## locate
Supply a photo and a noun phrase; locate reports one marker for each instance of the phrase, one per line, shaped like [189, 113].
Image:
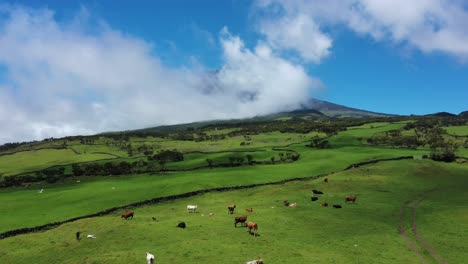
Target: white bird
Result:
[91, 236]
[41, 190]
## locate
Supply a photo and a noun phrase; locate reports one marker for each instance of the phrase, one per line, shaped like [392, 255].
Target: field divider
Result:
[27, 230]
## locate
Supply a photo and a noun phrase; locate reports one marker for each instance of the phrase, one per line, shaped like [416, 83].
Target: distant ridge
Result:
[340, 111]
[442, 114]
[463, 114]
[314, 109]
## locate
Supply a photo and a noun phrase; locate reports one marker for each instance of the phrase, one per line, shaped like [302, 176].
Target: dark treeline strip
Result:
[356, 165]
[157, 200]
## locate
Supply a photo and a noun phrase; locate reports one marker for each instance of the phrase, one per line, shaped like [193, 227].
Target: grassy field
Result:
[389, 194]
[365, 232]
[457, 130]
[26, 161]
[93, 194]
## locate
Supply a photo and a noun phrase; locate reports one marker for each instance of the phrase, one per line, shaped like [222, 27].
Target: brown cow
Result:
[240, 219]
[325, 204]
[127, 215]
[231, 208]
[250, 210]
[253, 227]
[350, 199]
[325, 180]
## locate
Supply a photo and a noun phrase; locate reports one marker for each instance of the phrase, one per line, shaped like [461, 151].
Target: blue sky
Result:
[65, 67]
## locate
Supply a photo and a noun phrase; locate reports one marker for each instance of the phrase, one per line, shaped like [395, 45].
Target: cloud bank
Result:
[78, 77]
[426, 25]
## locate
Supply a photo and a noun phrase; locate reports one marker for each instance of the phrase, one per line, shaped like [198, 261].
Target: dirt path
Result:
[414, 204]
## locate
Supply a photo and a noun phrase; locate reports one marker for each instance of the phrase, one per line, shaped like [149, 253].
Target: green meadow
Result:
[27, 161]
[358, 233]
[424, 198]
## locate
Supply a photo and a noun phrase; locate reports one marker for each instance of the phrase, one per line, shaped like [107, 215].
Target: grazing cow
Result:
[211, 214]
[250, 210]
[336, 206]
[127, 215]
[325, 180]
[286, 203]
[240, 219]
[257, 261]
[91, 236]
[317, 192]
[325, 204]
[78, 235]
[231, 208]
[181, 225]
[253, 227]
[314, 198]
[351, 198]
[155, 219]
[149, 258]
[293, 205]
[192, 208]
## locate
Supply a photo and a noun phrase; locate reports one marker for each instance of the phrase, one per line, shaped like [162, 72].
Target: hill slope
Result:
[314, 109]
[336, 110]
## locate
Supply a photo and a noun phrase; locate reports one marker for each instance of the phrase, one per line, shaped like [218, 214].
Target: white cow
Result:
[91, 236]
[192, 208]
[258, 261]
[149, 258]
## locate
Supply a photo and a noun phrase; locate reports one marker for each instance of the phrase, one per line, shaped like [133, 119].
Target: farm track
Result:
[157, 200]
[414, 204]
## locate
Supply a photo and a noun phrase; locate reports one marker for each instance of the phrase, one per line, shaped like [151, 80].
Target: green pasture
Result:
[457, 130]
[92, 194]
[271, 139]
[358, 136]
[364, 232]
[26, 161]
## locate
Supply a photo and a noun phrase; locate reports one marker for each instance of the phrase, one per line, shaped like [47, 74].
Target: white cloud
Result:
[427, 25]
[300, 33]
[82, 78]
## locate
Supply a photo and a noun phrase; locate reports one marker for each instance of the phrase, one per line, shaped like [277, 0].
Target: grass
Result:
[40, 159]
[457, 130]
[365, 232]
[93, 194]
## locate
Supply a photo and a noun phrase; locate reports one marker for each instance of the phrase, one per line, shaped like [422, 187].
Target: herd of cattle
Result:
[251, 226]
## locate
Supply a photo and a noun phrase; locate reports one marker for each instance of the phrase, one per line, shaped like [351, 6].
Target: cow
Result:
[336, 206]
[317, 192]
[91, 236]
[181, 225]
[250, 210]
[286, 203]
[155, 219]
[325, 204]
[127, 215]
[257, 261]
[351, 198]
[149, 258]
[192, 208]
[253, 227]
[325, 180]
[78, 235]
[314, 198]
[231, 208]
[240, 219]
[293, 205]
